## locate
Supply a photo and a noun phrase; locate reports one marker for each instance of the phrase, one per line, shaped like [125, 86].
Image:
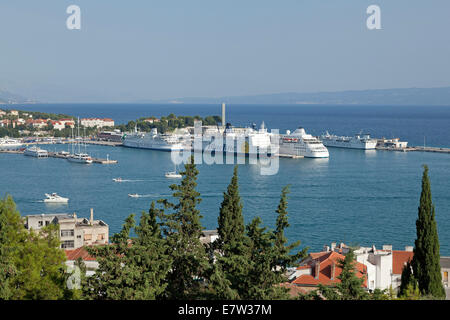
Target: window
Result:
[67, 233]
[40, 223]
[67, 244]
[446, 276]
[47, 223]
[100, 237]
[88, 237]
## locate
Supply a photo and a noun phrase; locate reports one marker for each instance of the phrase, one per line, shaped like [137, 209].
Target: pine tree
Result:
[284, 259]
[183, 229]
[131, 268]
[32, 264]
[425, 263]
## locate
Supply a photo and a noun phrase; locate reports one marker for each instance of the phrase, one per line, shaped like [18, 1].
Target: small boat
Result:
[80, 158]
[117, 179]
[173, 174]
[55, 198]
[133, 195]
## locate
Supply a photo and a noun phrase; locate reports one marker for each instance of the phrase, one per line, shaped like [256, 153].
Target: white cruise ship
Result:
[299, 143]
[244, 141]
[153, 141]
[36, 152]
[9, 144]
[359, 141]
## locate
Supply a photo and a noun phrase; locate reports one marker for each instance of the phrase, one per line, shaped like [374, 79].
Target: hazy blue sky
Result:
[131, 50]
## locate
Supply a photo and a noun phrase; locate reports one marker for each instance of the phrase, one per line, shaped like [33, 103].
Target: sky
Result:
[160, 49]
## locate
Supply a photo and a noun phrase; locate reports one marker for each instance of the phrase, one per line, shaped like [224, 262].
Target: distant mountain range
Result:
[7, 97]
[408, 96]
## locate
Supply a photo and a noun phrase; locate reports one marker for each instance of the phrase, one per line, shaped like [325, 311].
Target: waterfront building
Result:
[392, 143]
[97, 122]
[74, 232]
[2, 113]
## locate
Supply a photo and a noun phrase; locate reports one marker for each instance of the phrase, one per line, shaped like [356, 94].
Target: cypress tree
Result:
[407, 280]
[231, 262]
[426, 260]
[231, 221]
[183, 229]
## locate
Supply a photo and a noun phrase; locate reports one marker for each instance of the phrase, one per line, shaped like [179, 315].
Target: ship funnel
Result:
[223, 114]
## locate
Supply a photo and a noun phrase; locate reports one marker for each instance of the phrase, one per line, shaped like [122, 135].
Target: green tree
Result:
[231, 260]
[350, 286]
[182, 228]
[283, 257]
[32, 262]
[425, 263]
[131, 268]
[407, 280]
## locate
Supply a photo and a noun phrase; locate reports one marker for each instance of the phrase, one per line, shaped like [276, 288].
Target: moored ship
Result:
[36, 152]
[299, 143]
[9, 144]
[359, 141]
[153, 140]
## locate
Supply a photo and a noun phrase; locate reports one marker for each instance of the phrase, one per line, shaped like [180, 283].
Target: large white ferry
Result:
[153, 140]
[245, 141]
[299, 143]
[10, 144]
[359, 141]
[36, 152]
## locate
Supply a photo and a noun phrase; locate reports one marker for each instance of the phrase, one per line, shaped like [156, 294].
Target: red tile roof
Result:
[326, 260]
[399, 260]
[78, 253]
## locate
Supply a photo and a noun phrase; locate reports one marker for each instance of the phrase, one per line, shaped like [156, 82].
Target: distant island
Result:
[399, 96]
[411, 96]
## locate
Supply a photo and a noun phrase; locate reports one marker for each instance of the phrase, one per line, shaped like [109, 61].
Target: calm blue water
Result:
[365, 197]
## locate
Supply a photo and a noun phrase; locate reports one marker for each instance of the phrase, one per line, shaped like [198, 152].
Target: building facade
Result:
[74, 232]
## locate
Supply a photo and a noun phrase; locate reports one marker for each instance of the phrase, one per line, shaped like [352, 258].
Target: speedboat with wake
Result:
[55, 198]
[133, 195]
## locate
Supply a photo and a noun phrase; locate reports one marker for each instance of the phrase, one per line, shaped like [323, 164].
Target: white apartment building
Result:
[97, 122]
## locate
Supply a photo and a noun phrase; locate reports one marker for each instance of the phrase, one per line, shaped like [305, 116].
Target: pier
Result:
[417, 148]
[61, 156]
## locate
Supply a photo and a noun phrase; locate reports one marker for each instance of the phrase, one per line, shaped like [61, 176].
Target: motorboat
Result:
[36, 152]
[117, 179]
[173, 174]
[133, 195]
[55, 198]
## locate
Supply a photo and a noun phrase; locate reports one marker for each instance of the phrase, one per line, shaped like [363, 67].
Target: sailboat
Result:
[79, 157]
[173, 174]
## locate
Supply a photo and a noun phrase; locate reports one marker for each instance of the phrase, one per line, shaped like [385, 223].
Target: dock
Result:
[417, 148]
[61, 156]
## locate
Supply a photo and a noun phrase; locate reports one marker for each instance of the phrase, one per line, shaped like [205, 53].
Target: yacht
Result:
[299, 143]
[359, 141]
[133, 195]
[36, 152]
[153, 140]
[10, 144]
[173, 174]
[55, 198]
[80, 158]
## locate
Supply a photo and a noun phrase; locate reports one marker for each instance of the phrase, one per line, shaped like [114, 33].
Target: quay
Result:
[61, 156]
[417, 148]
[281, 155]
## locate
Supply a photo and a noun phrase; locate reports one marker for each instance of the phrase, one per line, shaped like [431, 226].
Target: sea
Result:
[356, 197]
